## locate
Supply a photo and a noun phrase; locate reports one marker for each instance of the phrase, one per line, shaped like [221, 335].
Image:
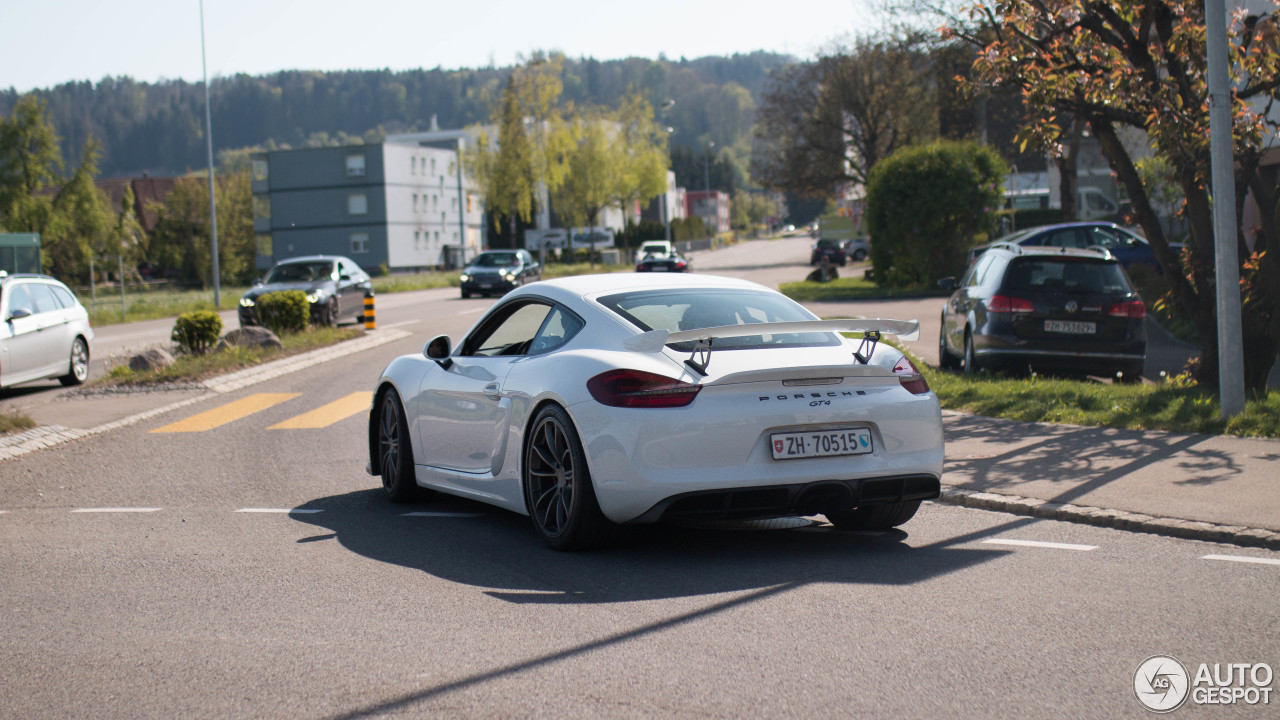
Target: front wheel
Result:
[946, 360]
[874, 517]
[970, 356]
[79, 366]
[557, 485]
[395, 451]
[330, 317]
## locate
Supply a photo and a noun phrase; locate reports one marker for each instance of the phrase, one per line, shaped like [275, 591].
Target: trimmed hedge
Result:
[284, 312]
[197, 332]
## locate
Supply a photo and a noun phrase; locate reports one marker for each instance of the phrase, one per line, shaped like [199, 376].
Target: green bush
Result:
[927, 205]
[284, 312]
[197, 332]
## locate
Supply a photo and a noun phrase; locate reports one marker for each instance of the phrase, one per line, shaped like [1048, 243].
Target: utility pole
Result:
[213, 205]
[1222, 166]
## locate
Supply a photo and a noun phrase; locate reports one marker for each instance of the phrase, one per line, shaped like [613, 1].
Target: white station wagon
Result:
[44, 331]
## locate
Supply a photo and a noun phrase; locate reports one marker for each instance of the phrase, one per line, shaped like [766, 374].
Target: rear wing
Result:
[655, 340]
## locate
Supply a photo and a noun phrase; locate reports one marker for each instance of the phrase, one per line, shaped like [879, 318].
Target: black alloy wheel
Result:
[331, 312]
[970, 359]
[395, 452]
[79, 365]
[557, 485]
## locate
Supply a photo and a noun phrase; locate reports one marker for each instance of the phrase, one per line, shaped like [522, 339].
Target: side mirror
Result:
[19, 313]
[947, 283]
[438, 349]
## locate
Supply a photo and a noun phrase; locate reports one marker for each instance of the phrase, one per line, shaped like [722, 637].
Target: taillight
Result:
[910, 377]
[1133, 309]
[639, 267]
[680, 266]
[639, 389]
[1006, 304]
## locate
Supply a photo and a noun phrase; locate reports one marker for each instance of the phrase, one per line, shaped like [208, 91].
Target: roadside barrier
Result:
[370, 323]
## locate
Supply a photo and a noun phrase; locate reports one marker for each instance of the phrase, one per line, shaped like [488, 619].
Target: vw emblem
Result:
[1071, 306]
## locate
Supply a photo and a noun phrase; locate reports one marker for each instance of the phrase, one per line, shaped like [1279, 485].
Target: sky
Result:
[44, 43]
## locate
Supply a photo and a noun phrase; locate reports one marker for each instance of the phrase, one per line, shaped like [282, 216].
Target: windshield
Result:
[300, 272]
[694, 309]
[1071, 276]
[496, 260]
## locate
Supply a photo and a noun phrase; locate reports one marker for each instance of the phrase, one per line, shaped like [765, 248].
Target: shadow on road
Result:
[499, 551]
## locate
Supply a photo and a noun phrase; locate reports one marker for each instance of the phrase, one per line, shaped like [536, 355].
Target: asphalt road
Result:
[251, 571]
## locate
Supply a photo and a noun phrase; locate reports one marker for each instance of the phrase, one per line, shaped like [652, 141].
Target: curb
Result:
[51, 435]
[1117, 519]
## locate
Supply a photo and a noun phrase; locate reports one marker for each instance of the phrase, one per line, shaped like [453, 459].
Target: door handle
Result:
[493, 391]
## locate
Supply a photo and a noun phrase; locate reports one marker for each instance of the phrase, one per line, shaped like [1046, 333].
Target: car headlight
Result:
[314, 296]
[246, 301]
[511, 277]
[464, 277]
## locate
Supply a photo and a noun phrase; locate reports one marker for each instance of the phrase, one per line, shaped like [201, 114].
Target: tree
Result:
[181, 237]
[1142, 65]
[612, 158]
[927, 205]
[827, 123]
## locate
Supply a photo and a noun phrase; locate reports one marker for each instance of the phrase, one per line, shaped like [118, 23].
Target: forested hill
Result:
[159, 127]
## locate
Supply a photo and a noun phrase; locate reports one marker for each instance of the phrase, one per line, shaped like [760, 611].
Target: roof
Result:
[1093, 253]
[590, 285]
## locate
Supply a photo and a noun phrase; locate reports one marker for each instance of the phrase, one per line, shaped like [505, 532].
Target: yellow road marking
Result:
[230, 412]
[326, 415]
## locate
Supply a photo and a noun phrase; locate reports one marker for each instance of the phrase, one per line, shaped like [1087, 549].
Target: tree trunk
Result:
[1069, 172]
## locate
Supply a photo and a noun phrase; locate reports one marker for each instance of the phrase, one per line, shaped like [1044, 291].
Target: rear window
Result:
[1065, 275]
[676, 310]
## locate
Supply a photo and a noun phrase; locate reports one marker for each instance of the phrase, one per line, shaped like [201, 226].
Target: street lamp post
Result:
[706, 181]
[213, 206]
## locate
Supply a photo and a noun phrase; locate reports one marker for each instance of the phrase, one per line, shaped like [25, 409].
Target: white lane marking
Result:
[1242, 559]
[1040, 544]
[442, 514]
[281, 511]
[3, 512]
[404, 322]
[116, 510]
[471, 312]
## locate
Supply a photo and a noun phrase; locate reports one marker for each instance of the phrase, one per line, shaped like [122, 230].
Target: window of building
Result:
[455, 238]
[261, 207]
[433, 166]
[260, 169]
[437, 237]
[413, 166]
[435, 202]
[415, 202]
[263, 243]
[355, 165]
[359, 243]
[358, 204]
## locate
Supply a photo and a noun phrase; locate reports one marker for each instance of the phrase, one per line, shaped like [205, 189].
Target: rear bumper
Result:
[813, 498]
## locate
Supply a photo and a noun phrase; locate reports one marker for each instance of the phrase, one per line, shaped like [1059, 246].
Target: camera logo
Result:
[1161, 683]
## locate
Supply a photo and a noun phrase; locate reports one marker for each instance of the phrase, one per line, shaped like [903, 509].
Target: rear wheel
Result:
[874, 517]
[465, 294]
[79, 365]
[395, 452]
[1130, 375]
[557, 485]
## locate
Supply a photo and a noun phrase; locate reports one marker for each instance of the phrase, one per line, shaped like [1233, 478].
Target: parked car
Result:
[1056, 308]
[499, 271]
[589, 401]
[670, 262]
[654, 247]
[832, 250]
[1127, 246]
[334, 285]
[45, 331]
[857, 249]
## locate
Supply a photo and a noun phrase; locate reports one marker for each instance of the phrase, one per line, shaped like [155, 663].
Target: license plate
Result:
[1074, 327]
[485, 286]
[821, 443]
[658, 268]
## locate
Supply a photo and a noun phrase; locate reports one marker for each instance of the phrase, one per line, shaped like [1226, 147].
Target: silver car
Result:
[44, 331]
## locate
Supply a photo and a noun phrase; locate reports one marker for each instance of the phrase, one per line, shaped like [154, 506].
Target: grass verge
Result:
[14, 422]
[153, 304]
[850, 289]
[1170, 406]
[194, 368]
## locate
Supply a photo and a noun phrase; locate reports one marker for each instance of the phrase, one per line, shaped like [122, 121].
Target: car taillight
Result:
[679, 266]
[910, 377]
[1006, 304]
[1133, 309]
[639, 266]
[639, 389]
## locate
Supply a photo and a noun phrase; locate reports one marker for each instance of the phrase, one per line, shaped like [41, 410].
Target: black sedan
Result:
[498, 272]
[335, 285]
[1053, 308]
[832, 250]
[670, 262]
